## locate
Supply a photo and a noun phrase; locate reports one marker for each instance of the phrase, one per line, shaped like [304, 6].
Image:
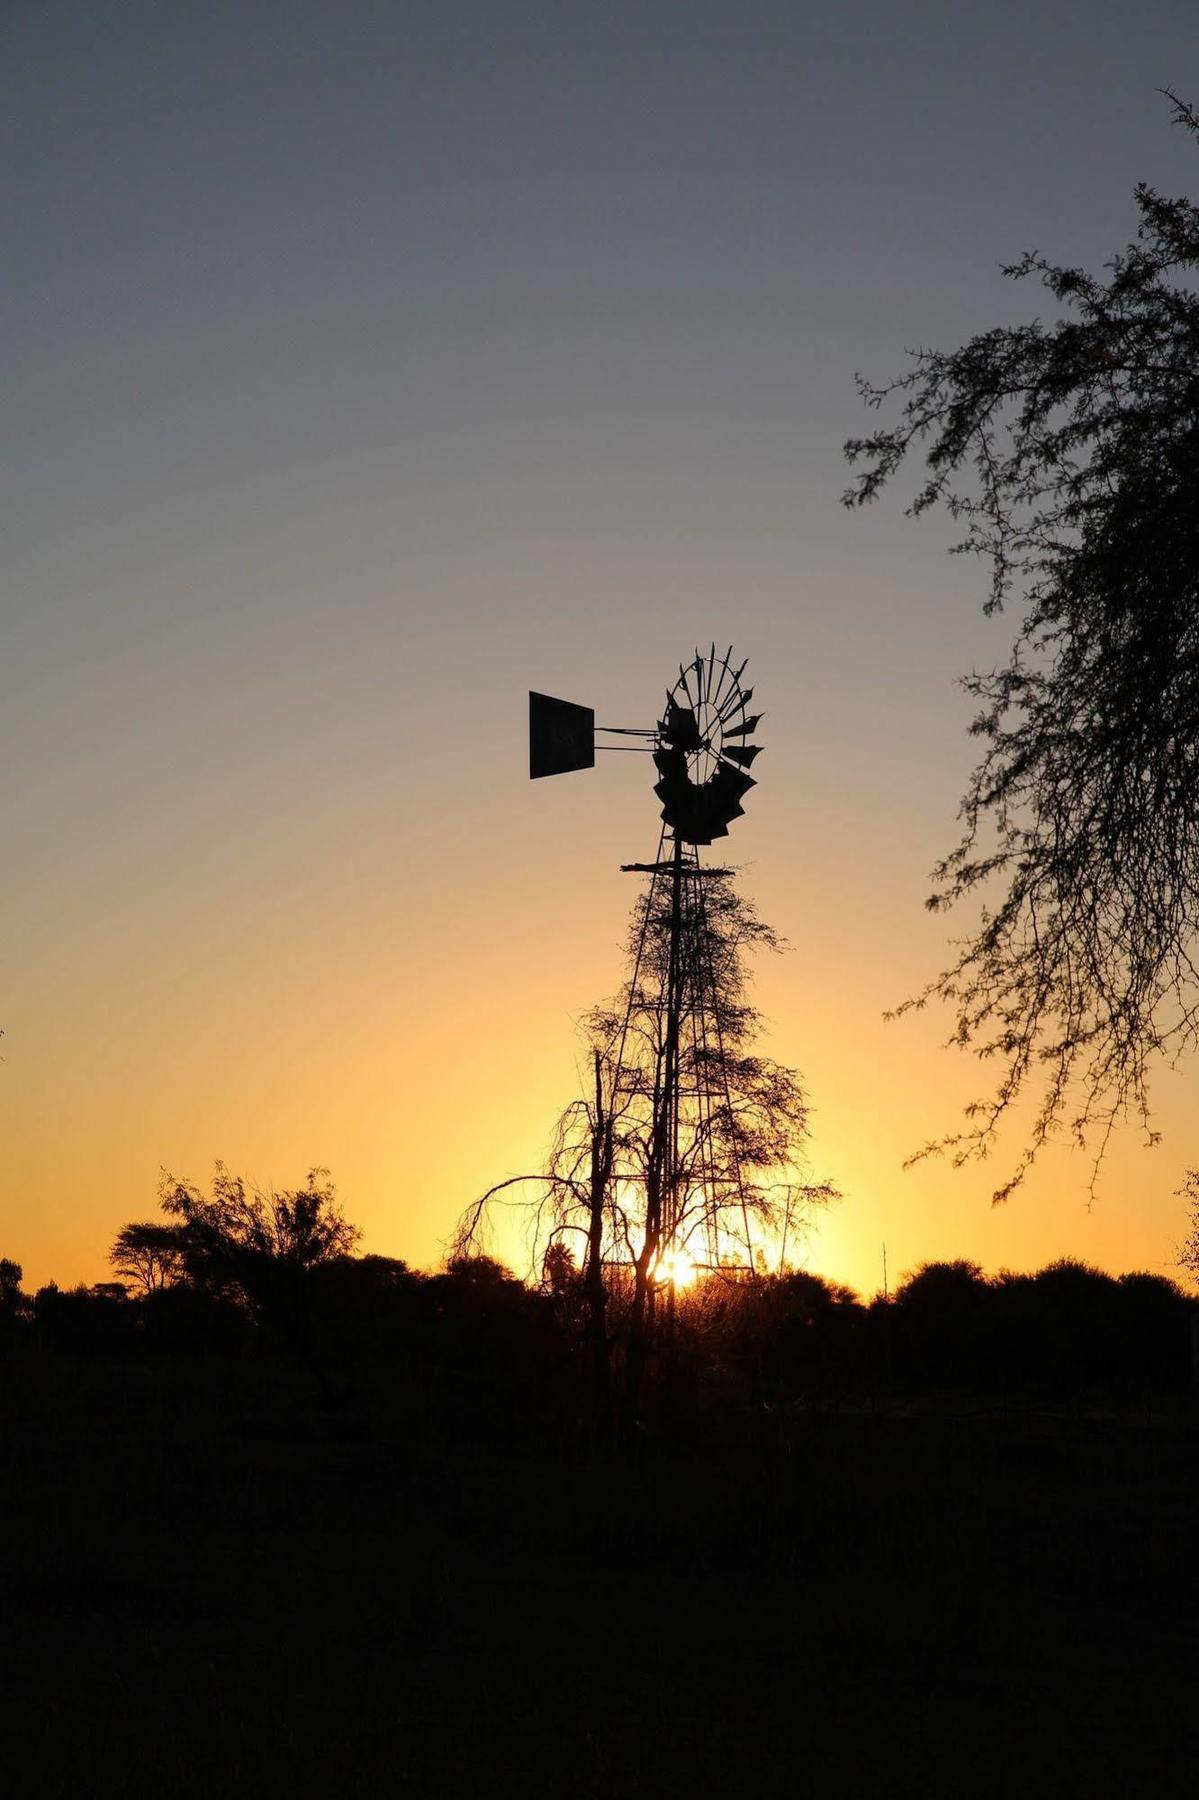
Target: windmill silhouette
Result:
[665, 1085]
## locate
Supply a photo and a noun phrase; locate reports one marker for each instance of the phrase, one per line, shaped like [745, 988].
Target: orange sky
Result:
[398, 1004]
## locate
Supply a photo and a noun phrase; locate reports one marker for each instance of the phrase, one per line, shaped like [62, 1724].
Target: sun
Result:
[674, 1268]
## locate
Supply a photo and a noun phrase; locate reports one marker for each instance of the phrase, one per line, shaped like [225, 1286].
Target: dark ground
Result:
[219, 1582]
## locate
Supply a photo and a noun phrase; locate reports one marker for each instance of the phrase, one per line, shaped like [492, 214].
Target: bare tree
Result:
[1070, 452]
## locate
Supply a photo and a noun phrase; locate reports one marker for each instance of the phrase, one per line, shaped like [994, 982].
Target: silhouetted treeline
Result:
[481, 1351]
[470, 1346]
[1066, 1332]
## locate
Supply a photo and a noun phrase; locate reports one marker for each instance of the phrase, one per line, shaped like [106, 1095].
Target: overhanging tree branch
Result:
[1070, 453]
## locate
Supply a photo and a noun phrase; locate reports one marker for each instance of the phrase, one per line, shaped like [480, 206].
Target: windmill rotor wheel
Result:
[703, 751]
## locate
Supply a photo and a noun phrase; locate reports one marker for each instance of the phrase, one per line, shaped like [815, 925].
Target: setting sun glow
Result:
[674, 1268]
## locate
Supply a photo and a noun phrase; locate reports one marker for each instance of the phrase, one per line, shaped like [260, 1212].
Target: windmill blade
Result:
[720, 694]
[744, 755]
[744, 727]
[730, 782]
[714, 817]
[738, 697]
[722, 796]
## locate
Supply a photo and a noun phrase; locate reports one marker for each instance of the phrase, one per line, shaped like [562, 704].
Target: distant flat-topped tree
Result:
[1070, 453]
[148, 1255]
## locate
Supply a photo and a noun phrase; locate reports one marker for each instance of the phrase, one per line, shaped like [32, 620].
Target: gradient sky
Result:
[368, 364]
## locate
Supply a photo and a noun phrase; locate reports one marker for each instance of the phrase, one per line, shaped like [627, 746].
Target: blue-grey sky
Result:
[366, 364]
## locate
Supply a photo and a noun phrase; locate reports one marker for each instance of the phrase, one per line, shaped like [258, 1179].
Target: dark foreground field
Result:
[239, 1582]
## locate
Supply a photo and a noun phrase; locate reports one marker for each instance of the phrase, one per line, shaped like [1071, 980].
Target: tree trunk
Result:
[661, 1174]
[594, 1285]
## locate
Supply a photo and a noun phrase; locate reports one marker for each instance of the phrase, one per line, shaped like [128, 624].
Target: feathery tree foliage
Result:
[1070, 453]
[740, 1157]
[1188, 1254]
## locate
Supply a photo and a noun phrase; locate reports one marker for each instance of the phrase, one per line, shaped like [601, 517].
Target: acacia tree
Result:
[1070, 453]
[631, 1186]
[238, 1242]
[236, 1226]
[148, 1255]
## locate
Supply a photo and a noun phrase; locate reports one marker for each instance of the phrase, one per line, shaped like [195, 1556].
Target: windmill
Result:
[666, 1078]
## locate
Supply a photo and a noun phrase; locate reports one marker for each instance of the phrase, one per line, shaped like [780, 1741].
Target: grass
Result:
[230, 1582]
